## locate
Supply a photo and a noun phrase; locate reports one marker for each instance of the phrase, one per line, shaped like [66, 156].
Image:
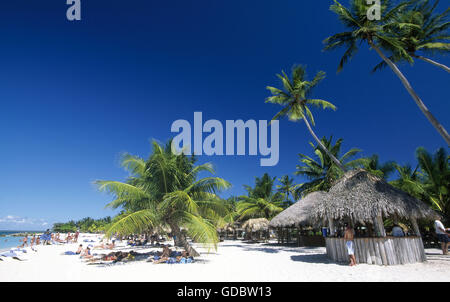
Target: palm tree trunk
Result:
[334, 159]
[445, 67]
[414, 95]
[182, 241]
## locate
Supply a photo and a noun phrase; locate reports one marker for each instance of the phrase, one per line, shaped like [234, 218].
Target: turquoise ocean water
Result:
[7, 241]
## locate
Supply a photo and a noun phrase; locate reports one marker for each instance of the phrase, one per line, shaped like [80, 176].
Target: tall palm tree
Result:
[164, 191]
[295, 98]
[427, 32]
[322, 171]
[376, 35]
[286, 188]
[263, 187]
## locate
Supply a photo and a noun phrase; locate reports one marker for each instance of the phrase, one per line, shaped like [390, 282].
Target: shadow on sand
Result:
[314, 258]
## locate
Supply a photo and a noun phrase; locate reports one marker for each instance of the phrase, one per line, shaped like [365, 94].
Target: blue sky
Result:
[74, 95]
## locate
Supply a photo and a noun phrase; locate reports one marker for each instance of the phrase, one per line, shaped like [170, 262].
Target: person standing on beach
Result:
[348, 237]
[25, 240]
[47, 237]
[75, 239]
[442, 235]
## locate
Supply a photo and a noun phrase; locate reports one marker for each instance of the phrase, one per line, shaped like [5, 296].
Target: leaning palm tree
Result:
[427, 32]
[321, 171]
[376, 35]
[295, 98]
[164, 192]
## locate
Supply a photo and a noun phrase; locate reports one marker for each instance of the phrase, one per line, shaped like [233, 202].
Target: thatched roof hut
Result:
[299, 214]
[361, 196]
[229, 227]
[254, 225]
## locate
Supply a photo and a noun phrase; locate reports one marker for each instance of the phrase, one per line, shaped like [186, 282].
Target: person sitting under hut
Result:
[397, 231]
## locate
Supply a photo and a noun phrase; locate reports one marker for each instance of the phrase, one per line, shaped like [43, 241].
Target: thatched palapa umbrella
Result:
[255, 225]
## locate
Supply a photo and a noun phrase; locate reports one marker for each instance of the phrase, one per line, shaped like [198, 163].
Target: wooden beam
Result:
[415, 226]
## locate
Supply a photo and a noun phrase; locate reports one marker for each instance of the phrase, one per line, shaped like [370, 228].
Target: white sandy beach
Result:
[233, 261]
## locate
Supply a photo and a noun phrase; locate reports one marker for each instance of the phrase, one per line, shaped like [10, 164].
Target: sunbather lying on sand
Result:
[167, 256]
[105, 246]
[115, 256]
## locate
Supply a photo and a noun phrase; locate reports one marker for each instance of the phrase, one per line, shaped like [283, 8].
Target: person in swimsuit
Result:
[80, 249]
[87, 253]
[164, 256]
[348, 237]
[25, 241]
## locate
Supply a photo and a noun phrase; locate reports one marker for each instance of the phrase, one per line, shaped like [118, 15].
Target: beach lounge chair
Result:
[10, 254]
[19, 250]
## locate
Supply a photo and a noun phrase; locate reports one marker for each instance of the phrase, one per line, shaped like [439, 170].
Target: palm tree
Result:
[164, 191]
[322, 171]
[252, 207]
[286, 188]
[436, 180]
[409, 181]
[294, 97]
[372, 165]
[231, 207]
[261, 201]
[376, 35]
[426, 32]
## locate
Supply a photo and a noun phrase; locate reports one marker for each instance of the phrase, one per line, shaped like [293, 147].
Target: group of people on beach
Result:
[171, 257]
[164, 256]
[48, 238]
